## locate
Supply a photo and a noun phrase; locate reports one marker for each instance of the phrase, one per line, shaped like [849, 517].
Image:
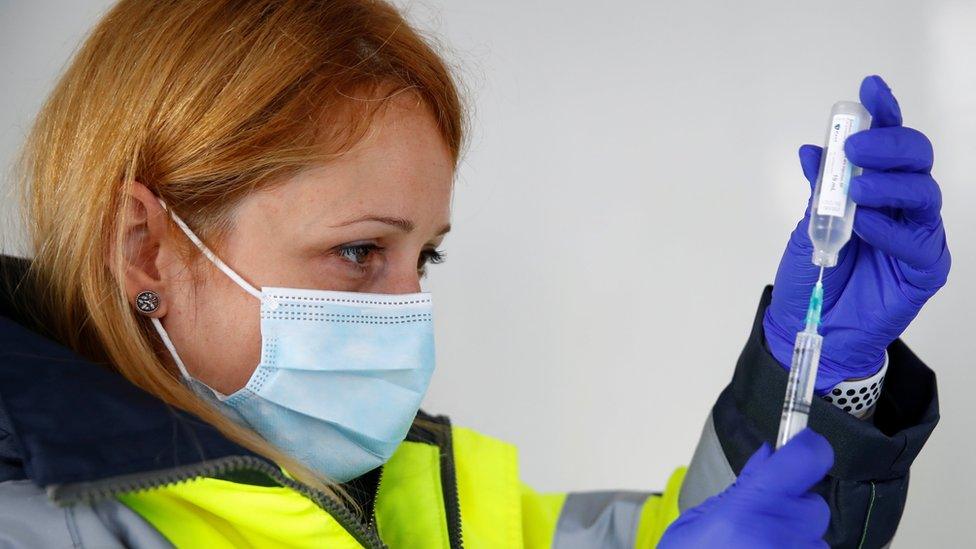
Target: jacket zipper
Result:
[452, 503]
[87, 492]
[376, 496]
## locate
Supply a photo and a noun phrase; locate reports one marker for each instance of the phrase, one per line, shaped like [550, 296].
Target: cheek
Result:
[218, 333]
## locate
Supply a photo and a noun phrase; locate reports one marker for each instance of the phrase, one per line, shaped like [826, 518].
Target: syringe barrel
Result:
[799, 386]
[832, 210]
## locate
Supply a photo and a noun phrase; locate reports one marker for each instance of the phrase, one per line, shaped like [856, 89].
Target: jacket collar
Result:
[65, 419]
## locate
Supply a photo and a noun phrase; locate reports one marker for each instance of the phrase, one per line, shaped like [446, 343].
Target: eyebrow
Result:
[404, 225]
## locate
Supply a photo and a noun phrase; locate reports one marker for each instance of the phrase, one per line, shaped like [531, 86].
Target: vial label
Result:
[837, 169]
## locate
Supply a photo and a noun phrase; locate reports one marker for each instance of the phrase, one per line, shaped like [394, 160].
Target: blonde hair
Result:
[203, 101]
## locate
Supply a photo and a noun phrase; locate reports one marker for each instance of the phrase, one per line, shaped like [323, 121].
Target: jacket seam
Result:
[867, 517]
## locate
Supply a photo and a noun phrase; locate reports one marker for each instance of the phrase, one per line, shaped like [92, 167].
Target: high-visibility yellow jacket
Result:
[444, 487]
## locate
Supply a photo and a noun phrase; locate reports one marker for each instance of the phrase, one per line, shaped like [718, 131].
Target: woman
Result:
[221, 338]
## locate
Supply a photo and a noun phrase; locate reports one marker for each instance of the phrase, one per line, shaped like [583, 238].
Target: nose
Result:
[400, 278]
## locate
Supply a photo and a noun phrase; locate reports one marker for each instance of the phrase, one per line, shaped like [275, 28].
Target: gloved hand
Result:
[895, 260]
[768, 505]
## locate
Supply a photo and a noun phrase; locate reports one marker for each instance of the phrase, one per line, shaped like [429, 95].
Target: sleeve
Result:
[617, 519]
[868, 484]
[28, 518]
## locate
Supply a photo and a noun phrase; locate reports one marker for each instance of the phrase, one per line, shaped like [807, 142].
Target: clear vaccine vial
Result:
[832, 211]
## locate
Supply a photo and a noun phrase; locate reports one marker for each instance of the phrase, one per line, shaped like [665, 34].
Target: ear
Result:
[144, 232]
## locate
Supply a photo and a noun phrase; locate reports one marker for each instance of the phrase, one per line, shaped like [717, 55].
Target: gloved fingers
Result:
[807, 543]
[816, 513]
[810, 162]
[916, 194]
[877, 98]
[756, 459]
[921, 247]
[801, 518]
[896, 148]
[794, 468]
[806, 516]
[797, 268]
[797, 274]
[780, 537]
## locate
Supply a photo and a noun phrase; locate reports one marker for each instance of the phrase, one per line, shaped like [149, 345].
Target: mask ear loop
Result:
[226, 270]
[179, 362]
[212, 256]
[170, 347]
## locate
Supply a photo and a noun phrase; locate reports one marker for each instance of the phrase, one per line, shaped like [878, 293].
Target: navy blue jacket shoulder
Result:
[64, 419]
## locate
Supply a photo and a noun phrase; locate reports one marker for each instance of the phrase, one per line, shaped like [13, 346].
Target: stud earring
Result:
[147, 302]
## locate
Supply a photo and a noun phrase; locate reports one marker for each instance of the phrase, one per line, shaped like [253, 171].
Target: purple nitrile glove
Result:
[895, 261]
[769, 505]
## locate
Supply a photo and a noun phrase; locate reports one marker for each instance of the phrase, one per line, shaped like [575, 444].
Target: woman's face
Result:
[367, 222]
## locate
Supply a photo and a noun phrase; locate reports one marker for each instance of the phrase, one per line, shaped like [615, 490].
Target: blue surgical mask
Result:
[341, 377]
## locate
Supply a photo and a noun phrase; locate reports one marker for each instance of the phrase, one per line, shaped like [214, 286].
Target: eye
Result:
[358, 254]
[429, 256]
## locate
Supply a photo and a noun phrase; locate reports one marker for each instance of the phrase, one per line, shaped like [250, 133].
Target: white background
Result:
[631, 181]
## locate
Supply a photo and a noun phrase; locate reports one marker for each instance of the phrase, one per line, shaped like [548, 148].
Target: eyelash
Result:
[432, 256]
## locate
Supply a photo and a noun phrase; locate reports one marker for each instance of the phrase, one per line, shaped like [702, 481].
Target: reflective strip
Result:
[599, 519]
[709, 472]
[28, 519]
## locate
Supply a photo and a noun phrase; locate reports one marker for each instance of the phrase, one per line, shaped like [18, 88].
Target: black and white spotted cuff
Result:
[858, 396]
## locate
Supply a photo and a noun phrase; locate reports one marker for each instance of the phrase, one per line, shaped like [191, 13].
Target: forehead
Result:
[402, 167]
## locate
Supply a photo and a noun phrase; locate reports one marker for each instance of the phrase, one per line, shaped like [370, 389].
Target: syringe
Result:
[803, 370]
[831, 221]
